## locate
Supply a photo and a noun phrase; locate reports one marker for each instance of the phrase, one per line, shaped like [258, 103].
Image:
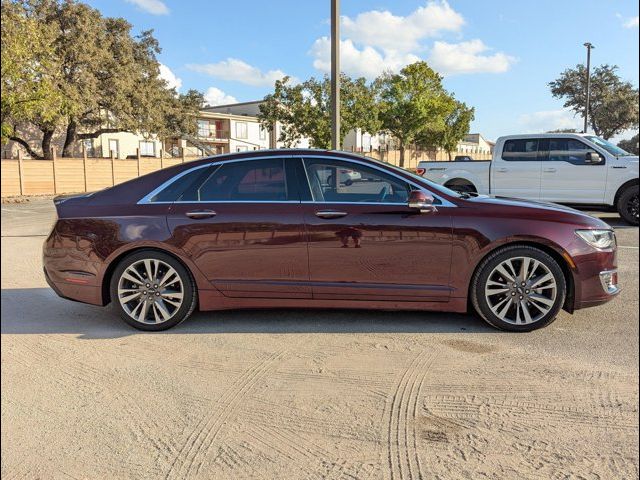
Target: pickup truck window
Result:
[525, 150]
[568, 150]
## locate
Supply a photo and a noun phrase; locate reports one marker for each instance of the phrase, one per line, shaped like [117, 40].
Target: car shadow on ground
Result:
[40, 311]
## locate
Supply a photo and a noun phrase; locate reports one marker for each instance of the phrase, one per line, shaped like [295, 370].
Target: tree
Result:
[630, 145]
[614, 103]
[304, 109]
[106, 80]
[456, 126]
[413, 104]
[563, 130]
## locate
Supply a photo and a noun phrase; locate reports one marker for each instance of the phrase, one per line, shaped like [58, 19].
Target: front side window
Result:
[568, 150]
[251, 180]
[345, 182]
[241, 130]
[522, 150]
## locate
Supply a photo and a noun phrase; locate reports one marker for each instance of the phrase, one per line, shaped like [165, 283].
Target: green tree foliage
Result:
[304, 109]
[97, 77]
[456, 125]
[614, 104]
[630, 145]
[414, 106]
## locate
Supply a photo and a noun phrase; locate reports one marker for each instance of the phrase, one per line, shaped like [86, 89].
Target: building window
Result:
[89, 149]
[114, 148]
[203, 128]
[241, 130]
[263, 134]
[147, 149]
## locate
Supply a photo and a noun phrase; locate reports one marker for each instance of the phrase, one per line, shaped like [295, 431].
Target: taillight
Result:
[420, 171]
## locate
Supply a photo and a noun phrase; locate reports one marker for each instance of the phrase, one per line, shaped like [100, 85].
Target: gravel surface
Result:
[309, 394]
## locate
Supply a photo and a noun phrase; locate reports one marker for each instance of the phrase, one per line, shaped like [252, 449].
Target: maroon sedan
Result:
[312, 228]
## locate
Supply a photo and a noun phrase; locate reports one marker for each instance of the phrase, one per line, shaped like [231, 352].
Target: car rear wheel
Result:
[628, 206]
[152, 291]
[518, 288]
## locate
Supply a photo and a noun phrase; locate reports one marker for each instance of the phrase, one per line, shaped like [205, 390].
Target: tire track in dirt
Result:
[191, 455]
[402, 440]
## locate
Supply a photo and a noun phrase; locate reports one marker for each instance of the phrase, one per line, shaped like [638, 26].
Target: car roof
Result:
[278, 152]
[543, 135]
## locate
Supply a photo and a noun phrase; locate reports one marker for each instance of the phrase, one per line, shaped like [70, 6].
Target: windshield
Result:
[608, 146]
[435, 186]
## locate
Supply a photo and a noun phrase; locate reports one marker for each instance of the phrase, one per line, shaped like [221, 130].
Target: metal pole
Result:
[588, 100]
[335, 74]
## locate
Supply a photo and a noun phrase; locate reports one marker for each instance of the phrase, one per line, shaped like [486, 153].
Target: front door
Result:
[567, 177]
[242, 225]
[364, 241]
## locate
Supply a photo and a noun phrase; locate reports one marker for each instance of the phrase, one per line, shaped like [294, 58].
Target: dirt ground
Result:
[309, 394]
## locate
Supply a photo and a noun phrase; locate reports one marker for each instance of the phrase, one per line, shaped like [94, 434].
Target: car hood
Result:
[544, 210]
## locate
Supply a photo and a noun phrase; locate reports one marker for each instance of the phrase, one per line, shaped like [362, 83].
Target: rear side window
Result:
[524, 150]
[568, 150]
[172, 192]
[249, 180]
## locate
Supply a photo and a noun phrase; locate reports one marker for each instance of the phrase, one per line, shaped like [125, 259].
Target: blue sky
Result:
[496, 55]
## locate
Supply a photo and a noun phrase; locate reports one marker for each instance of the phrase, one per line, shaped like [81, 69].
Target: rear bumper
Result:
[78, 293]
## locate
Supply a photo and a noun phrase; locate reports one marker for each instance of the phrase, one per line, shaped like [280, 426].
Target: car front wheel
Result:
[152, 291]
[518, 288]
[628, 206]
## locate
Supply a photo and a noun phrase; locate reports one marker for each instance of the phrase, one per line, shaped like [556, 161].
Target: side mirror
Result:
[422, 201]
[592, 158]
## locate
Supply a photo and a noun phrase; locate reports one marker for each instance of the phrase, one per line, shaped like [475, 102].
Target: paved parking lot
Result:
[310, 394]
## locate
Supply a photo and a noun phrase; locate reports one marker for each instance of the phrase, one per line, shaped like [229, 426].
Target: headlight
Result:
[600, 239]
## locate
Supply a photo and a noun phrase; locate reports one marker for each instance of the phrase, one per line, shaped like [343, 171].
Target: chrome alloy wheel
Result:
[521, 290]
[150, 291]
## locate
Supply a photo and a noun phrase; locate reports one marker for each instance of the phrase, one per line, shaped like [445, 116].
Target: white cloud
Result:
[168, 76]
[214, 96]
[154, 7]
[467, 57]
[631, 22]
[376, 41]
[395, 33]
[233, 69]
[359, 62]
[546, 120]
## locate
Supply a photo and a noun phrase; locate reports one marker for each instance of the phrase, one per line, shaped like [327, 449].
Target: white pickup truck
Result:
[576, 169]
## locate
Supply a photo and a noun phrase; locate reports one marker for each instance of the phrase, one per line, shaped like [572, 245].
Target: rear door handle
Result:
[502, 170]
[330, 214]
[199, 214]
[550, 170]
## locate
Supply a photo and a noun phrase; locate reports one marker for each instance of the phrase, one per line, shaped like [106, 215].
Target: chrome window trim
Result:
[444, 203]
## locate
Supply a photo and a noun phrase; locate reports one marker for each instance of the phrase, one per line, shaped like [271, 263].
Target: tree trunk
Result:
[70, 139]
[401, 146]
[449, 154]
[47, 136]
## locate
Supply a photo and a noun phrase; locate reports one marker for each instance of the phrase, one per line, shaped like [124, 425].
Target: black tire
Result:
[462, 188]
[628, 205]
[187, 288]
[486, 268]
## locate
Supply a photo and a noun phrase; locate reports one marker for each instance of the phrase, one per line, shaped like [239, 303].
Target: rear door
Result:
[566, 177]
[517, 172]
[243, 227]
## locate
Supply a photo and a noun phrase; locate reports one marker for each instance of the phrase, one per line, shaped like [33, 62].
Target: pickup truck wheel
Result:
[518, 288]
[628, 205]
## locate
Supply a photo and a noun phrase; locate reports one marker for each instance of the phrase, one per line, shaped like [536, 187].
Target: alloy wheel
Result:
[150, 291]
[521, 290]
[633, 207]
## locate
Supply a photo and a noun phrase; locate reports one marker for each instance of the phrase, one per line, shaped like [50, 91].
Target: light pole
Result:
[586, 107]
[335, 74]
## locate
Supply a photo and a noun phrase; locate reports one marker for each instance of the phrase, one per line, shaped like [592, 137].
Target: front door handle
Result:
[330, 214]
[502, 170]
[200, 214]
[550, 170]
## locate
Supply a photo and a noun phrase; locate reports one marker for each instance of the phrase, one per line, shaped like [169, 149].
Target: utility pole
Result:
[586, 107]
[335, 74]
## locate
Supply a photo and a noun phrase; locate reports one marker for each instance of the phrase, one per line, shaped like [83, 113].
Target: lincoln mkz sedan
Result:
[322, 229]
